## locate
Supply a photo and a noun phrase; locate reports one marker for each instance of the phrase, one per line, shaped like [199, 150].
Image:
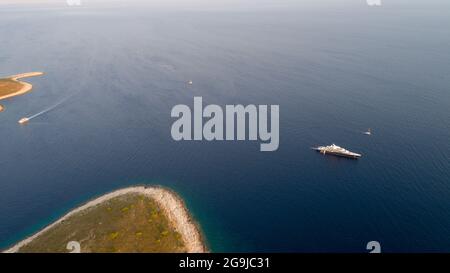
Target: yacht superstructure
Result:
[337, 151]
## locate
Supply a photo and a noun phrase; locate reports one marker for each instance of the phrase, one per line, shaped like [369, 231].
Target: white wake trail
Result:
[50, 108]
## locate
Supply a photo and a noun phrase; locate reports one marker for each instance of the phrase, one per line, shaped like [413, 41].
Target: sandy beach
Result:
[172, 205]
[26, 87]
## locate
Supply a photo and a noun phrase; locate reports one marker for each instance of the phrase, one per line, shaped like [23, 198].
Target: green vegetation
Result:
[128, 223]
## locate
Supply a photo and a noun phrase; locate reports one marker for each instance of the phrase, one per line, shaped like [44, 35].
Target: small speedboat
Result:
[23, 121]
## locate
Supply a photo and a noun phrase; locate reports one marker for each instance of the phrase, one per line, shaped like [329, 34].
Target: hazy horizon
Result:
[238, 3]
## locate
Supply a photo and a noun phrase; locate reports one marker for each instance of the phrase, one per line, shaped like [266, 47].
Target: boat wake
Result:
[27, 119]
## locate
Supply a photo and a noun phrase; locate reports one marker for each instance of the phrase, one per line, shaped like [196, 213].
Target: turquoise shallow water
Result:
[335, 71]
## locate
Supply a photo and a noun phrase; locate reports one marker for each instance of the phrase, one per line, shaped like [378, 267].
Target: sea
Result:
[335, 68]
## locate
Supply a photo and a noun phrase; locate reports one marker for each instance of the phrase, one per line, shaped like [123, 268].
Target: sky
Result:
[202, 2]
[244, 4]
[187, 3]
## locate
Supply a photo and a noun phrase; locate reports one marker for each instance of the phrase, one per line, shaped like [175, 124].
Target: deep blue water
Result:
[334, 70]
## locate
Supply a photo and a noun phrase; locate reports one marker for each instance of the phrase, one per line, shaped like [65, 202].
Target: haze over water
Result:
[335, 70]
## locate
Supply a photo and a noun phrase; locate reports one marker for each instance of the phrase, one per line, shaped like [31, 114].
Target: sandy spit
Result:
[26, 87]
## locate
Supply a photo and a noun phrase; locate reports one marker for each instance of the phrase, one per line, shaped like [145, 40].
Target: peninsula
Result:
[11, 86]
[134, 219]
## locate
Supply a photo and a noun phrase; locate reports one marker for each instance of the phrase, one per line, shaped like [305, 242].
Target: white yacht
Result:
[337, 151]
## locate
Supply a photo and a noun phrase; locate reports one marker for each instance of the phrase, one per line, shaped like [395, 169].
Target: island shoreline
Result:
[26, 87]
[171, 203]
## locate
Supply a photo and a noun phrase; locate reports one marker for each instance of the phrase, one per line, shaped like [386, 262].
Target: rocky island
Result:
[134, 219]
